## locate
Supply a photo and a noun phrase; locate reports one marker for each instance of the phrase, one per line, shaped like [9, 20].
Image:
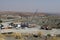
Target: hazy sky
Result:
[30, 5]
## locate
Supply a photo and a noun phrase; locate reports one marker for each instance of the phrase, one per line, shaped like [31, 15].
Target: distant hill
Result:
[25, 13]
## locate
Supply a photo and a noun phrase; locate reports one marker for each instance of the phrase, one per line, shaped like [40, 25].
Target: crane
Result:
[34, 15]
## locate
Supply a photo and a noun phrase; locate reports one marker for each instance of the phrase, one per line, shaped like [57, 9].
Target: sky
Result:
[52, 6]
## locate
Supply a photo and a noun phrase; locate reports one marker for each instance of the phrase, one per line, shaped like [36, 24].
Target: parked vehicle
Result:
[23, 25]
[46, 27]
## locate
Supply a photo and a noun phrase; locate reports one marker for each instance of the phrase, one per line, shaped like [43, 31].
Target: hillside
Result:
[28, 13]
[21, 13]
